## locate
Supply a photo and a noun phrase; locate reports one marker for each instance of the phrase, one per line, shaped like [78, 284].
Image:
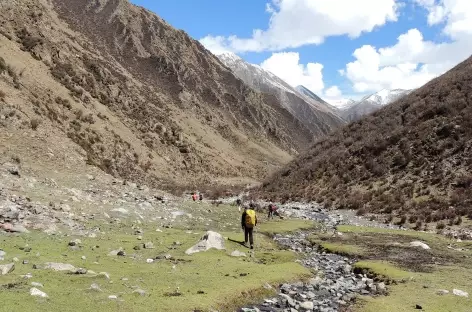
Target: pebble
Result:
[7, 268]
[112, 297]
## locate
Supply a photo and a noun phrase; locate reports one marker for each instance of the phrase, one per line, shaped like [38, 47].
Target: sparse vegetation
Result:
[34, 123]
[3, 65]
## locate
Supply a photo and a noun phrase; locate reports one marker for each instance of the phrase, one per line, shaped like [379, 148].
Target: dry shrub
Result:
[34, 123]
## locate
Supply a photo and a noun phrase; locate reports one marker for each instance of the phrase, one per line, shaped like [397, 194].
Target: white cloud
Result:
[413, 61]
[333, 92]
[457, 14]
[294, 23]
[286, 65]
[214, 44]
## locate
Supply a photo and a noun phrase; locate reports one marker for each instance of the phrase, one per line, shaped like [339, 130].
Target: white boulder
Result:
[419, 244]
[209, 240]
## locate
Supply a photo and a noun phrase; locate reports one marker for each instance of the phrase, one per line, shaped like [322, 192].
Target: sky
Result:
[339, 49]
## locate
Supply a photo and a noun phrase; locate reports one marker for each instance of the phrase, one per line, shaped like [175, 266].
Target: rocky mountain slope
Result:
[312, 112]
[371, 103]
[411, 159]
[109, 84]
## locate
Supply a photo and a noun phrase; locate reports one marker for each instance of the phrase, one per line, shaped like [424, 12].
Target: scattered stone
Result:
[104, 274]
[59, 266]
[95, 287]
[25, 261]
[149, 260]
[200, 292]
[419, 244]
[112, 297]
[18, 228]
[209, 240]
[121, 253]
[7, 268]
[35, 284]
[139, 292]
[12, 169]
[140, 237]
[2, 255]
[75, 242]
[83, 258]
[442, 292]
[115, 252]
[148, 245]
[381, 288]
[418, 307]
[80, 271]
[238, 253]
[460, 293]
[15, 259]
[38, 293]
[307, 305]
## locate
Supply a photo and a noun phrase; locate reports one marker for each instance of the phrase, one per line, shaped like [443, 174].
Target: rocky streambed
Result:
[334, 284]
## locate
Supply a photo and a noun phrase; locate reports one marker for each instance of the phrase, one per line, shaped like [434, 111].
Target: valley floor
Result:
[82, 225]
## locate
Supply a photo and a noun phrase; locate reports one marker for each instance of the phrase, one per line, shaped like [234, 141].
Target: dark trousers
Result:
[271, 214]
[248, 234]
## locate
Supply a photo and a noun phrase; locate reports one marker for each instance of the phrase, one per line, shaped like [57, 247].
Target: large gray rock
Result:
[209, 240]
[7, 268]
[59, 267]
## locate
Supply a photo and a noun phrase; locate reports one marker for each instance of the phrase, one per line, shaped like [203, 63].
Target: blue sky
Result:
[295, 33]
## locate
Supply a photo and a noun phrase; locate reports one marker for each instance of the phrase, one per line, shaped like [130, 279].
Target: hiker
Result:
[248, 222]
[272, 209]
[238, 203]
[194, 196]
[200, 197]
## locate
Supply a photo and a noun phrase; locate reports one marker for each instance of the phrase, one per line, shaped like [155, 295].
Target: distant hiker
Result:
[200, 197]
[194, 196]
[238, 203]
[272, 210]
[248, 222]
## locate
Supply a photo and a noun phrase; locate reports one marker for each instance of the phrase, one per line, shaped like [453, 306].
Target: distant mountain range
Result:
[353, 110]
[313, 112]
[316, 114]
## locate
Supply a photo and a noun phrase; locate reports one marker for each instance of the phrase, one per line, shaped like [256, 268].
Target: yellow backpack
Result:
[250, 218]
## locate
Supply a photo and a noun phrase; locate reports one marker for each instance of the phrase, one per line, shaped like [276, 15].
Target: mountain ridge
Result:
[144, 101]
[317, 116]
[411, 158]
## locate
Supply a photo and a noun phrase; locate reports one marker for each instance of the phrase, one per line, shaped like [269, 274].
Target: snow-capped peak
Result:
[230, 56]
[384, 96]
[342, 104]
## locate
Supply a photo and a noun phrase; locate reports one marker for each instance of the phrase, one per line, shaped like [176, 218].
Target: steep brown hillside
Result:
[140, 99]
[412, 158]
